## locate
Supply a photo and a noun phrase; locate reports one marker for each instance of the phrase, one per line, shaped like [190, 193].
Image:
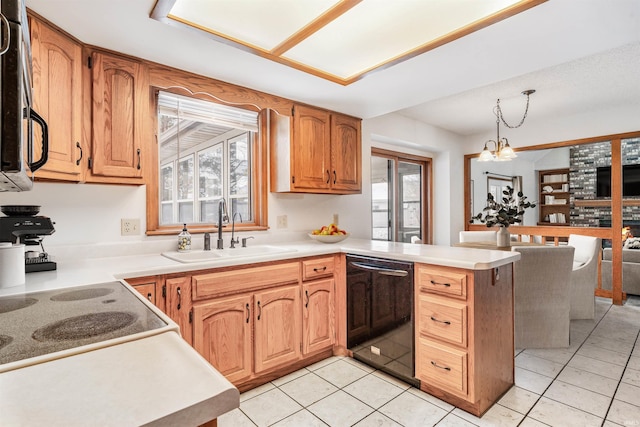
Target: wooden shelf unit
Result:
[558, 179]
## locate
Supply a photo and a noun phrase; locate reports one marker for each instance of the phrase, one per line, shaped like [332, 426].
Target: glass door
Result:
[399, 196]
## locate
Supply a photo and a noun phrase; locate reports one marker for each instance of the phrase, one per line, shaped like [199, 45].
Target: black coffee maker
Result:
[21, 225]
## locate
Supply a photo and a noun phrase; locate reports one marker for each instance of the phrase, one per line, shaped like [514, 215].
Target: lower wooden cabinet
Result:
[222, 335]
[252, 321]
[179, 304]
[318, 320]
[464, 334]
[277, 327]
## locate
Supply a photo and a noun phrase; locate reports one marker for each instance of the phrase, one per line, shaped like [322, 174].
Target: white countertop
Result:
[159, 379]
[79, 271]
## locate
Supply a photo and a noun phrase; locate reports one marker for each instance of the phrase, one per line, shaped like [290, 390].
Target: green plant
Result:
[505, 213]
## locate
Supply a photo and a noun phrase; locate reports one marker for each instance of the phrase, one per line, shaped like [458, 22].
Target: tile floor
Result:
[595, 382]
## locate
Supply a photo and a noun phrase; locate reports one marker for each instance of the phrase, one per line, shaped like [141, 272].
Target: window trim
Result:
[258, 173]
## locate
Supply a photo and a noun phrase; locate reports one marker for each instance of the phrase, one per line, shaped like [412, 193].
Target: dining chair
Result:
[584, 277]
[541, 296]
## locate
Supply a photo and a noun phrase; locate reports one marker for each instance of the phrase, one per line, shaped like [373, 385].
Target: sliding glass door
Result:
[399, 196]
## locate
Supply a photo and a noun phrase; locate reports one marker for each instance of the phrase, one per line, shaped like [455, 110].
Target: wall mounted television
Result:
[630, 181]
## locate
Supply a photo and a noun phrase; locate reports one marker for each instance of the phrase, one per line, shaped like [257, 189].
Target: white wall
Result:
[86, 214]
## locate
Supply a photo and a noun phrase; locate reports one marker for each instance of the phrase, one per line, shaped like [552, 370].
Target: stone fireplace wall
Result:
[583, 161]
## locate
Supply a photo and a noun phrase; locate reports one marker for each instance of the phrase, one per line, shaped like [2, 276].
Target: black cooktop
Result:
[46, 322]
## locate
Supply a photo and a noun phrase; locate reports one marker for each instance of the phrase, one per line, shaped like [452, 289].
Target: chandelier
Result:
[501, 150]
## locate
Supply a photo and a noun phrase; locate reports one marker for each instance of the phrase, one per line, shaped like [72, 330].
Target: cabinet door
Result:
[222, 335]
[57, 97]
[311, 151]
[119, 106]
[179, 304]
[345, 153]
[148, 290]
[277, 327]
[318, 319]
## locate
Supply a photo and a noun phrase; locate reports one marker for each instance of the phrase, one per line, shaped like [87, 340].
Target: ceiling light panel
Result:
[258, 23]
[375, 31]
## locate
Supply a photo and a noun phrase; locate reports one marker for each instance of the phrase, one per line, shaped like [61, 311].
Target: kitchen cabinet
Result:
[222, 335]
[318, 294]
[247, 321]
[179, 304]
[464, 334]
[119, 105]
[245, 335]
[152, 288]
[315, 151]
[57, 97]
[277, 327]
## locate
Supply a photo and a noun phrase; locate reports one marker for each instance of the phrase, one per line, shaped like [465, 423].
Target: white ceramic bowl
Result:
[331, 238]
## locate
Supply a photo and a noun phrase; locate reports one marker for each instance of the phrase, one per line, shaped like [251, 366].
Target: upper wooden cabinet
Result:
[120, 103]
[315, 151]
[57, 97]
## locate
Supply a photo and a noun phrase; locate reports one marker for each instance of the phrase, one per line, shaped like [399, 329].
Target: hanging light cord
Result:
[526, 110]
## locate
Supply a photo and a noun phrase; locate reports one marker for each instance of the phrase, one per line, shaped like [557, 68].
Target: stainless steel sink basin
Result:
[216, 254]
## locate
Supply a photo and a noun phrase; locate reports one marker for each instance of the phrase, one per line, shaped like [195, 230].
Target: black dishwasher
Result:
[380, 326]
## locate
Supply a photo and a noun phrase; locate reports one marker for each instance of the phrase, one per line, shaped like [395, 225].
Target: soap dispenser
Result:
[184, 240]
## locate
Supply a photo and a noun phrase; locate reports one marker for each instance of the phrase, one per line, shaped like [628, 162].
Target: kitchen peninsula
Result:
[473, 286]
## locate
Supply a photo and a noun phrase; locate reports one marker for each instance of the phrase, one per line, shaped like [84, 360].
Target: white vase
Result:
[503, 237]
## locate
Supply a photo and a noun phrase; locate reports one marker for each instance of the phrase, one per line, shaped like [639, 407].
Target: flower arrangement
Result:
[507, 212]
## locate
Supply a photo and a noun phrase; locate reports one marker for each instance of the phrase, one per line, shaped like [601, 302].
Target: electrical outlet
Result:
[335, 219]
[129, 226]
[282, 221]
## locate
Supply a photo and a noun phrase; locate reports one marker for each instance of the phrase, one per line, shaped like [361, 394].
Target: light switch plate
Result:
[282, 221]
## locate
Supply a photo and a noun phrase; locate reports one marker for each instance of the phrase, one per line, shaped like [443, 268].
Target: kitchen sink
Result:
[216, 254]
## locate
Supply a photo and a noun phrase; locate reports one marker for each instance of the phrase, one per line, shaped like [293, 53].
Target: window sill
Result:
[205, 228]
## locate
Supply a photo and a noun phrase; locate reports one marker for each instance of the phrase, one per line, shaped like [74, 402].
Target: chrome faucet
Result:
[223, 218]
[233, 230]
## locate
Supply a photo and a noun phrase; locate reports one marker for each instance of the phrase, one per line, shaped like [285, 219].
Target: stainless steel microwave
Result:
[17, 163]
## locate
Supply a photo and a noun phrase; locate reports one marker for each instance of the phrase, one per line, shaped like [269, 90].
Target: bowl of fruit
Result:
[329, 234]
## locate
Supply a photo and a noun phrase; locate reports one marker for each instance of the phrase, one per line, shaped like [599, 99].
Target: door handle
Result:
[306, 292]
[259, 310]
[248, 312]
[138, 151]
[335, 177]
[79, 158]
[179, 297]
[328, 176]
[446, 322]
[384, 271]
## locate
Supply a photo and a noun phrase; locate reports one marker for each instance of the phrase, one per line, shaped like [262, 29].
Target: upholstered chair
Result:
[478, 236]
[541, 296]
[584, 278]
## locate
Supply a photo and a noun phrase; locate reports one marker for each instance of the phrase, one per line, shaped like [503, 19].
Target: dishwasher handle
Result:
[381, 270]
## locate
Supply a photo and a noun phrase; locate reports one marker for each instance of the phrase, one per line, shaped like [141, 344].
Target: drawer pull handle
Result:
[179, 292]
[248, 313]
[446, 322]
[446, 368]
[317, 270]
[259, 310]
[306, 304]
[441, 284]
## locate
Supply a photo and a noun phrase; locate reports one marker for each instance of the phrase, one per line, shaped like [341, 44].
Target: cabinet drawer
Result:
[442, 282]
[320, 267]
[244, 279]
[443, 319]
[443, 366]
